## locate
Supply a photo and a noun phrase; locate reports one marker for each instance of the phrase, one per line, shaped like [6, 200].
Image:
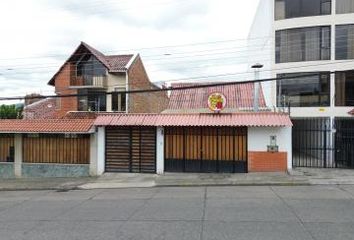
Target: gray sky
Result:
[37, 36]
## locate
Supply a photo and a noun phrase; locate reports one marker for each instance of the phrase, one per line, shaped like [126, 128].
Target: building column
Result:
[97, 152]
[18, 155]
[93, 154]
[160, 158]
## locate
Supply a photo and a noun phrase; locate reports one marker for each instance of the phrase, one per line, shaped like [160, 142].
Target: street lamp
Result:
[256, 68]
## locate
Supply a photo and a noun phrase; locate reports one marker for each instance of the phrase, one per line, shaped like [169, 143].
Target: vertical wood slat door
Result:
[206, 150]
[131, 149]
[7, 148]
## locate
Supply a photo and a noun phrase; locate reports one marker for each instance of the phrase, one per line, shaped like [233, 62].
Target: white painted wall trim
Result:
[160, 158]
[129, 64]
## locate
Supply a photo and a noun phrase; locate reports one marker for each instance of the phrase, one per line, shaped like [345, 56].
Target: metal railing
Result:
[89, 81]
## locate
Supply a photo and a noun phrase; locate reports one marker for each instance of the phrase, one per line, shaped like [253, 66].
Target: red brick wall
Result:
[62, 83]
[154, 102]
[267, 162]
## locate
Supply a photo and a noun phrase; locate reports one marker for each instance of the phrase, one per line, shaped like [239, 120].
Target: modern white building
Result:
[309, 46]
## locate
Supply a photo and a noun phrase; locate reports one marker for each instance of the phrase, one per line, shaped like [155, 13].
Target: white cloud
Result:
[54, 29]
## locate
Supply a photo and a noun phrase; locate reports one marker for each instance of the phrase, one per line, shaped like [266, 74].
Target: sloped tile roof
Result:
[238, 96]
[264, 119]
[118, 63]
[114, 63]
[46, 126]
[44, 108]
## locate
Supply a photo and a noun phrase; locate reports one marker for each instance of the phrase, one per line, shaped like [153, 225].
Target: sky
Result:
[177, 39]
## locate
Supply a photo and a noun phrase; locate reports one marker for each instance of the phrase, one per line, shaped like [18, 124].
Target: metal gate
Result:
[344, 142]
[200, 149]
[316, 145]
[131, 149]
[312, 143]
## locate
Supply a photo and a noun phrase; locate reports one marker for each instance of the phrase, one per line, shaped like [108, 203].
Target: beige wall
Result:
[114, 81]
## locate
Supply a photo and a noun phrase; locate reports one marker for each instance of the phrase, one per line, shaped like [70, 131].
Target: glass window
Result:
[119, 101]
[344, 42]
[88, 69]
[91, 101]
[285, 9]
[303, 44]
[311, 90]
[344, 88]
[344, 6]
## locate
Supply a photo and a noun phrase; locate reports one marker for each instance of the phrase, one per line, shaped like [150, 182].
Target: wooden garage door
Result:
[131, 149]
[206, 149]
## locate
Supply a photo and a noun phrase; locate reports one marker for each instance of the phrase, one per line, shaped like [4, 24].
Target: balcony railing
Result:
[88, 81]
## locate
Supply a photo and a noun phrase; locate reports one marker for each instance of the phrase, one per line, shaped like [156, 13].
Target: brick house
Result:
[92, 74]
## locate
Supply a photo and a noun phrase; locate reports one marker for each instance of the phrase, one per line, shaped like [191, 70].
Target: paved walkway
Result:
[180, 213]
[299, 176]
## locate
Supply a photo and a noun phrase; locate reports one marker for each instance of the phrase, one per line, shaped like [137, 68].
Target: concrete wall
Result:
[260, 46]
[54, 170]
[259, 139]
[7, 170]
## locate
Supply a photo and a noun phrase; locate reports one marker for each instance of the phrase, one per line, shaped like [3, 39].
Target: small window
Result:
[119, 100]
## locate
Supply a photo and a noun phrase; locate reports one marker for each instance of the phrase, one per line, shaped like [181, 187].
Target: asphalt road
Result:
[301, 212]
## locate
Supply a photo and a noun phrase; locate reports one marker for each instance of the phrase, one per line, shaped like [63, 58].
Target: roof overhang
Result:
[49, 126]
[196, 120]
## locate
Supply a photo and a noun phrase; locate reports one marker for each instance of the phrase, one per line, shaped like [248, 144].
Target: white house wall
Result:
[259, 139]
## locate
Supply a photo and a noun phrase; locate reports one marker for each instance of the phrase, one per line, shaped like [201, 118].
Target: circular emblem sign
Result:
[216, 102]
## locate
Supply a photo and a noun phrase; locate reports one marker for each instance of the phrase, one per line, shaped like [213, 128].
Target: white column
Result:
[97, 152]
[289, 146]
[18, 155]
[160, 158]
[101, 145]
[93, 154]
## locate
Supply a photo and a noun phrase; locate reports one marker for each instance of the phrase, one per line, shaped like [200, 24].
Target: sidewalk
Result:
[298, 176]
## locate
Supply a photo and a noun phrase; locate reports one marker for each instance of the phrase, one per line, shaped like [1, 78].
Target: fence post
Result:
[18, 155]
[325, 146]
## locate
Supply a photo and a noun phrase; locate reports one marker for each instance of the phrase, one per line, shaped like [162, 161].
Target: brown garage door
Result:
[131, 149]
[206, 149]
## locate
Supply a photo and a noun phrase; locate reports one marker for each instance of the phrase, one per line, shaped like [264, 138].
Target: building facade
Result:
[309, 46]
[90, 74]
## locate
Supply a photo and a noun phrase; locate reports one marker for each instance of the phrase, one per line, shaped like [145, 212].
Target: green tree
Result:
[10, 112]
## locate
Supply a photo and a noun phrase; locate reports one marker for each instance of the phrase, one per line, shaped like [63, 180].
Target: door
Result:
[344, 142]
[206, 149]
[131, 149]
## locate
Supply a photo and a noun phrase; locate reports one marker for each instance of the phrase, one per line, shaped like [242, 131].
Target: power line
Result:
[166, 89]
[171, 56]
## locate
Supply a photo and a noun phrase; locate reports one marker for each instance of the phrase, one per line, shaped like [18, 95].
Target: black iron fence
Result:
[316, 145]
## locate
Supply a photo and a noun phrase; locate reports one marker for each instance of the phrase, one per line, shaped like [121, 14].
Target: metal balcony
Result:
[88, 81]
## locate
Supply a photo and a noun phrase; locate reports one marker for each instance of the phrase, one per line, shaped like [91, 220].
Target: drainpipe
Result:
[256, 68]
